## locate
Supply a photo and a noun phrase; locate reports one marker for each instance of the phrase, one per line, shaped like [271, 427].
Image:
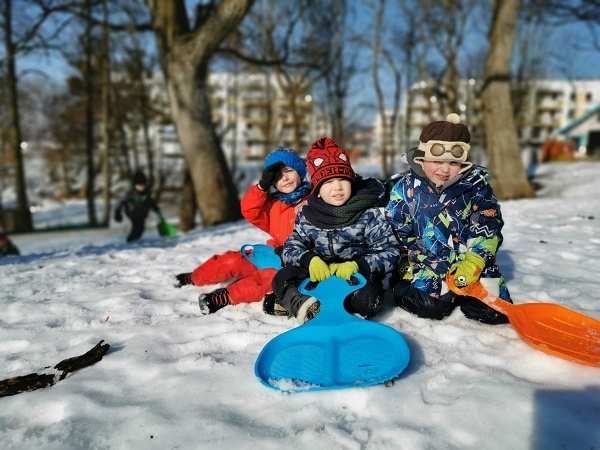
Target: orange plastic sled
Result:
[548, 327]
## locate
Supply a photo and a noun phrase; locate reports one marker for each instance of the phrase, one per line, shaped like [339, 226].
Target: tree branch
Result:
[34, 381]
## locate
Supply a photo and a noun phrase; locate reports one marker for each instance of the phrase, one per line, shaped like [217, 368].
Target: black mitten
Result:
[118, 215]
[269, 175]
[184, 279]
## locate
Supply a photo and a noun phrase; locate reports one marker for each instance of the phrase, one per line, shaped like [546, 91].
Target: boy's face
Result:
[288, 180]
[438, 172]
[139, 187]
[336, 191]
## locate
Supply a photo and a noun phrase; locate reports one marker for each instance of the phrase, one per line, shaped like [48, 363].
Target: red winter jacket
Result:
[270, 215]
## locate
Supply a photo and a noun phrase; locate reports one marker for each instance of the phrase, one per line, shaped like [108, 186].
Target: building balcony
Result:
[420, 106]
[255, 101]
[557, 106]
[418, 123]
[545, 124]
[255, 120]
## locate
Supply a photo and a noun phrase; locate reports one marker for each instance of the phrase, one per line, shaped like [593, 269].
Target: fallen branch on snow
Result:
[33, 381]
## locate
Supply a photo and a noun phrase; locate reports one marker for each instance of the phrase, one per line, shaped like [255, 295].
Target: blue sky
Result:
[569, 47]
[570, 55]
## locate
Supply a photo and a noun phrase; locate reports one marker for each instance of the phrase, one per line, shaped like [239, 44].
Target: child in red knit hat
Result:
[340, 231]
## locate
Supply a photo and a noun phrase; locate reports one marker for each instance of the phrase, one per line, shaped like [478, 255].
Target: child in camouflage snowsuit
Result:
[340, 231]
[447, 219]
[137, 203]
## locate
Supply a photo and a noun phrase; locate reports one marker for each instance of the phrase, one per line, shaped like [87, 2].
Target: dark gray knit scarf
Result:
[328, 217]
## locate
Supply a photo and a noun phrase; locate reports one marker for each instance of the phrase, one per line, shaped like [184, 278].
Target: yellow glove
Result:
[318, 269]
[344, 270]
[468, 270]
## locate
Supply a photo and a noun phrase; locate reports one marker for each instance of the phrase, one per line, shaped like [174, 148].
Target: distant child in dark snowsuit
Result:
[340, 231]
[137, 203]
[7, 248]
[270, 205]
[447, 219]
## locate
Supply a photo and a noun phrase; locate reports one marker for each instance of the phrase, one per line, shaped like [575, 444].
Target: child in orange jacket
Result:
[270, 205]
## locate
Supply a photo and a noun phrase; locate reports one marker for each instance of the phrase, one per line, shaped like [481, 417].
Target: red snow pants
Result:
[251, 285]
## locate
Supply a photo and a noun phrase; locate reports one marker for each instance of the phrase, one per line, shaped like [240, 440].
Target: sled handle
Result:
[339, 286]
[262, 256]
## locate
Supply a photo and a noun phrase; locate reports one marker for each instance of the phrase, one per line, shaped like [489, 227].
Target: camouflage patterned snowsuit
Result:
[369, 241]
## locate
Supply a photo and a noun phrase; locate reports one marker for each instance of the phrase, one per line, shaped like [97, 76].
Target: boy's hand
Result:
[344, 270]
[468, 270]
[318, 269]
[269, 176]
[118, 216]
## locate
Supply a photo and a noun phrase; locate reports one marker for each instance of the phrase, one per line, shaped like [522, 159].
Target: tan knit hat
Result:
[444, 140]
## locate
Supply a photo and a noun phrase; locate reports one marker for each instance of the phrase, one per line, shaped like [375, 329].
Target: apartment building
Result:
[553, 104]
[252, 115]
[551, 108]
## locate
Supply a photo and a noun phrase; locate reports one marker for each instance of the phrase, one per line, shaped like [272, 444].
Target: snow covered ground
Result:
[175, 379]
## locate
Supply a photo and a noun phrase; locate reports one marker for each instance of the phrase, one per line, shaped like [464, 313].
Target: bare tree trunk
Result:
[185, 55]
[23, 222]
[135, 149]
[106, 115]
[215, 191]
[267, 125]
[187, 212]
[393, 124]
[377, 51]
[64, 173]
[296, 118]
[148, 146]
[501, 133]
[89, 122]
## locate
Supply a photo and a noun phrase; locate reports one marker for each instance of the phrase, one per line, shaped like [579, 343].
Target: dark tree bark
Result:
[504, 154]
[185, 53]
[23, 219]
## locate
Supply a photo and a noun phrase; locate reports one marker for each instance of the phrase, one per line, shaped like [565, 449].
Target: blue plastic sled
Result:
[262, 256]
[334, 350]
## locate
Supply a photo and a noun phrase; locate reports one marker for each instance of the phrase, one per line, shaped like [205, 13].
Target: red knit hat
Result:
[325, 160]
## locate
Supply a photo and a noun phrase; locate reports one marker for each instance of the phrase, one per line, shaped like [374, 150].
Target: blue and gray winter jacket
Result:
[437, 227]
[369, 241]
